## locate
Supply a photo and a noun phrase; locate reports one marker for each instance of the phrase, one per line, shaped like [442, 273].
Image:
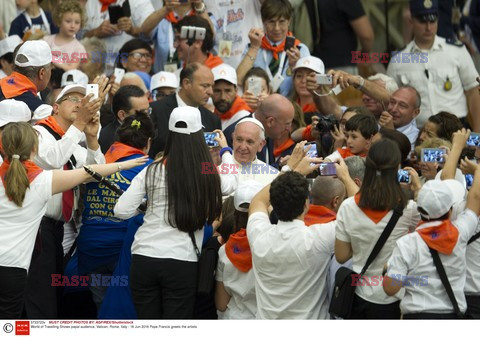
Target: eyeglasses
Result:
[73, 99]
[144, 111]
[281, 22]
[138, 56]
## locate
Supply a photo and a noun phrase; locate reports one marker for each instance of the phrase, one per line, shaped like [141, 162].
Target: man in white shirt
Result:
[74, 116]
[290, 260]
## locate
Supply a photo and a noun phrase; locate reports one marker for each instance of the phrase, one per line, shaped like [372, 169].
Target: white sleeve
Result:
[127, 204]
[140, 10]
[257, 222]
[95, 157]
[401, 259]
[52, 153]
[228, 172]
[340, 230]
[334, 156]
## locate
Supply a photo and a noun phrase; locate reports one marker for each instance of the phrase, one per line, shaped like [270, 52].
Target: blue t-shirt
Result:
[20, 25]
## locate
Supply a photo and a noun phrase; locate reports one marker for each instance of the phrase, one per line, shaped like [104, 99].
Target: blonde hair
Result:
[18, 139]
[68, 6]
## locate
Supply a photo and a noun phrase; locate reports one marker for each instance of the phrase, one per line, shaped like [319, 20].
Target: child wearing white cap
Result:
[7, 46]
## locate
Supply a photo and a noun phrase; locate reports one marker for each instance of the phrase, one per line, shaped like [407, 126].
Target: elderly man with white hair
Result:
[242, 163]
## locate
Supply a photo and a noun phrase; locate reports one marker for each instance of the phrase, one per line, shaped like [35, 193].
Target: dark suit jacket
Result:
[107, 135]
[161, 111]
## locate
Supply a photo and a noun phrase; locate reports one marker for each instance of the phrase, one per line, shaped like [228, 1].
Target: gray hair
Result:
[356, 167]
[390, 83]
[131, 76]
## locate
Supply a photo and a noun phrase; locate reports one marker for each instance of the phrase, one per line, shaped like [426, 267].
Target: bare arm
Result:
[473, 198]
[326, 105]
[459, 140]
[364, 32]
[473, 101]
[221, 297]
[255, 35]
[343, 251]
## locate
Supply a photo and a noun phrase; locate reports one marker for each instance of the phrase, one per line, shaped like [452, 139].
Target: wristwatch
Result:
[360, 85]
[202, 9]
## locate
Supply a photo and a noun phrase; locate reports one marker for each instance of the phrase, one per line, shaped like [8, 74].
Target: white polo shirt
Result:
[239, 285]
[354, 226]
[472, 285]
[19, 225]
[290, 263]
[412, 257]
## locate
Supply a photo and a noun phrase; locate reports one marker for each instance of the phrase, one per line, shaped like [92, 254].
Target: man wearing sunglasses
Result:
[440, 69]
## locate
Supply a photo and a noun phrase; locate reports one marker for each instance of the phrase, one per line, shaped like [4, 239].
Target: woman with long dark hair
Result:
[181, 199]
[361, 220]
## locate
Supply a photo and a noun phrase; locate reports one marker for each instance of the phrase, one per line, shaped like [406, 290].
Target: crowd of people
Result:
[144, 141]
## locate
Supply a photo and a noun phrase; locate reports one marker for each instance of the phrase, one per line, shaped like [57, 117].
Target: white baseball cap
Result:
[436, 197]
[71, 88]
[312, 63]
[244, 194]
[187, 115]
[14, 111]
[9, 44]
[38, 54]
[163, 79]
[74, 76]
[225, 72]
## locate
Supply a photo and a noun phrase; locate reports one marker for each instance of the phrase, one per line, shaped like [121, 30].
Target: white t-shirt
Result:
[239, 285]
[240, 16]
[472, 285]
[19, 225]
[354, 226]
[290, 263]
[412, 257]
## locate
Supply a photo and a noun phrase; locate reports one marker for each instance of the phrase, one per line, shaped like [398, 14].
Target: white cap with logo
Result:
[189, 118]
[74, 76]
[81, 89]
[225, 72]
[244, 194]
[14, 111]
[436, 197]
[163, 79]
[312, 63]
[9, 44]
[37, 53]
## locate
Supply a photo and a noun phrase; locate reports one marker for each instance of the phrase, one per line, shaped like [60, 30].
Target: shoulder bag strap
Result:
[473, 238]
[445, 282]
[197, 251]
[397, 213]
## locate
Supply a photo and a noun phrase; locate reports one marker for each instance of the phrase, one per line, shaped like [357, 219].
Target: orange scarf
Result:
[53, 124]
[119, 150]
[238, 105]
[442, 237]
[307, 133]
[212, 61]
[106, 3]
[238, 251]
[309, 108]
[319, 214]
[278, 48]
[16, 84]
[285, 146]
[171, 17]
[345, 153]
[32, 170]
[373, 215]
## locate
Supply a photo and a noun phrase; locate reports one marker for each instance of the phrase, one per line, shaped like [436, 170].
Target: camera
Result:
[327, 123]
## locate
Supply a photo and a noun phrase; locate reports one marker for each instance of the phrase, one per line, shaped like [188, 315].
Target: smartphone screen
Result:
[289, 42]
[210, 139]
[312, 152]
[469, 180]
[403, 176]
[327, 169]
[115, 12]
[474, 139]
[433, 155]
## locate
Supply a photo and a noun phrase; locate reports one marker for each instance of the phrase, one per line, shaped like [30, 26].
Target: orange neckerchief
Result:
[319, 214]
[119, 150]
[442, 237]
[238, 251]
[171, 17]
[32, 170]
[16, 84]
[286, 145]
[307, 133]
[345, 153]
[106, 3]
[278, 48]
[238, 105]
[309, 107]
[373, 215]
[53, 124]
[212, 61]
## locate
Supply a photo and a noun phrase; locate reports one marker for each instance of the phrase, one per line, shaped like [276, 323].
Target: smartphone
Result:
[312, 153]
[403, 176]
[327, 169]
[469, 180]
[92, 89]
[118, 72]
[323, 79]
[210, 139]
[289, 42]
[255, 85]
[474, 139]
[184, 32]
[200, 33]
[433, 155]
[115, 12]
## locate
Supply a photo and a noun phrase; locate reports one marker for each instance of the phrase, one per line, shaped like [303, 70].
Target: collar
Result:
[294, 223]
[438, 44]
[180, 101]
[408, 127]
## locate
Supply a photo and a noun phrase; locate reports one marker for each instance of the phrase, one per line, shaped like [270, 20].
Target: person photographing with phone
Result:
[274, 48]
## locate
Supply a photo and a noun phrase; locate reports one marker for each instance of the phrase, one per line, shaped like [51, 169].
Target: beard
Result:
[223, 106]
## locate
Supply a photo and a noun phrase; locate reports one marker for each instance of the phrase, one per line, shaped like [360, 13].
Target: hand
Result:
[85, 113]
[106, 29]
[283, 160]
[251, 100]
[460, 138]
[129, 164]
[297, 154]
[415, 184]
[170, 5]
[341, 77]
[113, 87]
[342, 170]
[315, 133]
[293, 55]
[468, 166]
[386, 120]
[125, 24]
[312, 82]
[305, 167]
[215, 154]
[92, 127]
[338, 134]
[255, 35]
[103, 87]
[222, 141]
